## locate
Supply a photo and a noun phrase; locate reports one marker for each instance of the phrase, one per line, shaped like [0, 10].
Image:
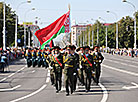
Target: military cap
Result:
[86, 47]
[57, 47]
[52, 48]
[69, 47]
[78, 49]
[96, 46]
[74, 47]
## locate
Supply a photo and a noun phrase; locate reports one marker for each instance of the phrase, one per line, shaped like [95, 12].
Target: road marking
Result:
[120, 70]
[13, 74]
[33, 71]
[37, 91]
[122, 63]
[48, 79]
[132, 61]
[10, 89]
[105, 93]
[131, 87]
[29, 95]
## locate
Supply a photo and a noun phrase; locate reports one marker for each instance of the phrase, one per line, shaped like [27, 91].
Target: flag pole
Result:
[69, 6]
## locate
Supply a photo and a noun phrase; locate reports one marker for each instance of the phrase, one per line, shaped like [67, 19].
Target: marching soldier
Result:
[76, 67]
[87, 64]
[80, 50]
[57, 64]
[28, 57]
[34, 56]
[69, 63]
[97, 58]
[52, 78]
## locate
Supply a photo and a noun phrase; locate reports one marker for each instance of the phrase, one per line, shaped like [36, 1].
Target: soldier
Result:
[76, 67]
[87, 64]
[80, 50]
[28, 57]
[69, 63]
[44, 57]
[97, 58]
[57, 64]
[51, 68]
[34, 56]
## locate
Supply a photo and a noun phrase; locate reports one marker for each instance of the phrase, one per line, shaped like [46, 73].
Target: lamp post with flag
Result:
[135, 25]
[116, 27]
[106, 32]
[16, 22]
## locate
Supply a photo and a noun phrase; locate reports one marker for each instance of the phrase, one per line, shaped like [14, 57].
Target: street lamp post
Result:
[25, 29]
[135, 25]
[16, 22]
[106, 32]
[116, 27]
[4, 33]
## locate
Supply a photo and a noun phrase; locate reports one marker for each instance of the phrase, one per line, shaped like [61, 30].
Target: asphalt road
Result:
[118, 83]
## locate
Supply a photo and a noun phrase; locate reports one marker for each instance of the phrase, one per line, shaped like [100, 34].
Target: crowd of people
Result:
[9, 55]
[124, 52]
[82, 64]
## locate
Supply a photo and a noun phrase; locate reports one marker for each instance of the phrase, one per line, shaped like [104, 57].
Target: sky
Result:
[81, 10]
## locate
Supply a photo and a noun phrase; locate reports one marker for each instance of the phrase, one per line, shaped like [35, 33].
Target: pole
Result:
[135, 36]
[92, 37]
[89, 39]
[16, 31]
[24, 35]
[106, 38]
[97, 34]
[29, 37]
[4, 33]
[135, 32]
[116, 35]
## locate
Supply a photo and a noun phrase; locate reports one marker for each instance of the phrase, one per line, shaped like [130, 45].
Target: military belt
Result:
[66, 65]
[86, 64]
[56, 65]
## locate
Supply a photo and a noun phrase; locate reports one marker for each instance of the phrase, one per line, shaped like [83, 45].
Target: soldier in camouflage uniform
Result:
[97, 58]
[49, 58]
[87, 64]
[69, 63]
[57, 64]
[76, 67]
[80, 50]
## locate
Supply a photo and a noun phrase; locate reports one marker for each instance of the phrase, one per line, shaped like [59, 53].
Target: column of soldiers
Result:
[83, 64]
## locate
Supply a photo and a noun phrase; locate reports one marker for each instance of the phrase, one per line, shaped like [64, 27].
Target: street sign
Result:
[28, 23]
[19, 40]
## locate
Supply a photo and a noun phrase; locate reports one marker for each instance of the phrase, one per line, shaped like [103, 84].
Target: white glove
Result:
[50, 67]
[74, 73]
[80, 66]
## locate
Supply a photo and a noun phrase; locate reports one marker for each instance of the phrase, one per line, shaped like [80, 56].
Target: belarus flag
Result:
[61, 25]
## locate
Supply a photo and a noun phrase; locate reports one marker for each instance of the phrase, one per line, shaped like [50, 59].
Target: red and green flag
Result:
[61, 25]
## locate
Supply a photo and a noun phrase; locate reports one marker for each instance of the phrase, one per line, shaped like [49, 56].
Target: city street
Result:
[118, 83]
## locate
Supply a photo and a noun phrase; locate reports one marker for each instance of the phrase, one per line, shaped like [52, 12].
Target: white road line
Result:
[105, 93]
[10, 89]
[33, 71]
[29, 95]
[37, 91]
[122, 63]
[120, 70]
[126, 60]
[48, 79]
[13, 74]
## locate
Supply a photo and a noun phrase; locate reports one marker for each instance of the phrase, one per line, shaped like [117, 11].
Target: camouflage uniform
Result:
[87, 70]
[69, 63]
[97, 58]
[57, 70]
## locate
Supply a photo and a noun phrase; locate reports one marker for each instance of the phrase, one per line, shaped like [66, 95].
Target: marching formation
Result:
[70, 64]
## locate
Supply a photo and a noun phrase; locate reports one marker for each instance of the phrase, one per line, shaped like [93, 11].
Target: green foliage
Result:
[125, 33]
